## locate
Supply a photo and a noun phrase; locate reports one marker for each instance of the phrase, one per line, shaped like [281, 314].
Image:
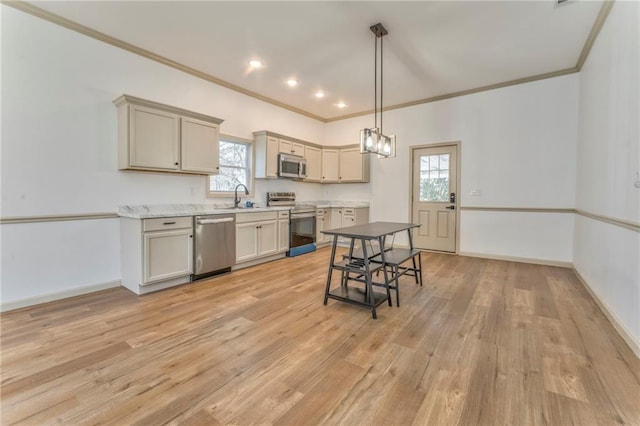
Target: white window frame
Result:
[250, 166]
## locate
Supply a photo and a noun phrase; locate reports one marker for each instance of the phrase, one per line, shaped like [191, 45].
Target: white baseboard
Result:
[258, 261]
[50, 297]
[611, 316]
[534, 261]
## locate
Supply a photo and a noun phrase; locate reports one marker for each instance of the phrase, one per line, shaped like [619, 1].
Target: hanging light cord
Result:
[375, 85]
[381, 79]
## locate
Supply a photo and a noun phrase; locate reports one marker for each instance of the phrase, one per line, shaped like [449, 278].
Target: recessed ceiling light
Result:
[255, 63]
[341, 105]
[319, 94]
[292, 82]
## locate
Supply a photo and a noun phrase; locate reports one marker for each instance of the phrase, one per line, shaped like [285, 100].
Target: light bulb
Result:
[369, 140]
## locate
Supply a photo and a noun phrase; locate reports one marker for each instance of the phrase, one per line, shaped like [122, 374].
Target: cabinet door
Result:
[267, 237]
[246, 241]
[297, 149]
[351, 165]
[153, 139]
[314, 163]
[167, 254]
[348, 219]
[323, 222]
[327, 225]
[199, 146]
[272, 156]
[283, 239]
[330, 169]
[285, 146]
[362, 215]
[336, 218]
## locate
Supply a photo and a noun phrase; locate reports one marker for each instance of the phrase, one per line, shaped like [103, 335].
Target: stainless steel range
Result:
[302, 222]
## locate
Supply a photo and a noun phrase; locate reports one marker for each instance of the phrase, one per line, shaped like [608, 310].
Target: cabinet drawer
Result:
[283, 214]
[349, 212]
[255, 217]
[162, 223]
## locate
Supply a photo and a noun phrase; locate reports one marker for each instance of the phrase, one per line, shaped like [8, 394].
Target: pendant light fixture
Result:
[373, 140]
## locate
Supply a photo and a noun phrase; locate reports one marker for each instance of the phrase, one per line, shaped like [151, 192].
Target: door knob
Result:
[451, 207]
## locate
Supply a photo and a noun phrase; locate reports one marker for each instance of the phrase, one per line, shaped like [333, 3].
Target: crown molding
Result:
[74, 26]
[59, 20]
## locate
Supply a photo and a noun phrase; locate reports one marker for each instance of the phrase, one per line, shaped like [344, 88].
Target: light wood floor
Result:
[482, 343]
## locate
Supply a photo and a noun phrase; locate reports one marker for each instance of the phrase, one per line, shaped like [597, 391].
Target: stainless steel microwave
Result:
[292, 166]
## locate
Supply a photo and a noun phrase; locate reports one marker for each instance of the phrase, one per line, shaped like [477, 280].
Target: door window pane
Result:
[434, 178]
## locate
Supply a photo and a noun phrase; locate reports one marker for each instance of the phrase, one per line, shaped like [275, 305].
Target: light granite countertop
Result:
[148, 211]
[324, 204]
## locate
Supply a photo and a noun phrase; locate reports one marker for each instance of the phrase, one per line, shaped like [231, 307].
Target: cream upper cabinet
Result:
[298, 149]
[285, 146]
[153, 139]
[353, 166]
[158, 137]
[313, 156]
[330, 165]
[289, 147]
[200, 146]
[267, 149]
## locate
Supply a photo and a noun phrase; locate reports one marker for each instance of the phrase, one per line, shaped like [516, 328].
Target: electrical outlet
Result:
[475, 193]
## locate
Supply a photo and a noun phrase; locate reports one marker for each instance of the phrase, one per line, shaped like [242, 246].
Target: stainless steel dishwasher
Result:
[214, 244]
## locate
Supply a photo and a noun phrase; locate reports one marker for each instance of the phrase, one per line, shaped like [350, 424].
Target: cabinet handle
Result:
[168, 223]
[190, 236]
[176, 164]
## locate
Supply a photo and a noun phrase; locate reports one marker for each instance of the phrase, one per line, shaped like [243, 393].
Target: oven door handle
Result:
[302, 215]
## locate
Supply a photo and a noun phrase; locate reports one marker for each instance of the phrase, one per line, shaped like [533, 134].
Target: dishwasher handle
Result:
[213, 221]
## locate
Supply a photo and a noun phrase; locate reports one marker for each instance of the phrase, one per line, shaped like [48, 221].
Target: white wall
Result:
[59, 150]
[518, 147]
[608, 158]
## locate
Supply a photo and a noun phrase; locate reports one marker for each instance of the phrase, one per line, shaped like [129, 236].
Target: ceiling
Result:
[433, 48]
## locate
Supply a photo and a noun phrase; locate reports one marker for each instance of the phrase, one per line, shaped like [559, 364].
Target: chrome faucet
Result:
[236, 199]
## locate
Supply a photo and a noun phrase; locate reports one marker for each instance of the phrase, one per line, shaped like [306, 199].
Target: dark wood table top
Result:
[370, 231]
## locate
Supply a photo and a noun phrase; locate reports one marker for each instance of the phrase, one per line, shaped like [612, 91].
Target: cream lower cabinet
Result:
[283, 231]
[256, 235]
[323, 222]
[156, 253]
[348, 216]
[167, 254]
